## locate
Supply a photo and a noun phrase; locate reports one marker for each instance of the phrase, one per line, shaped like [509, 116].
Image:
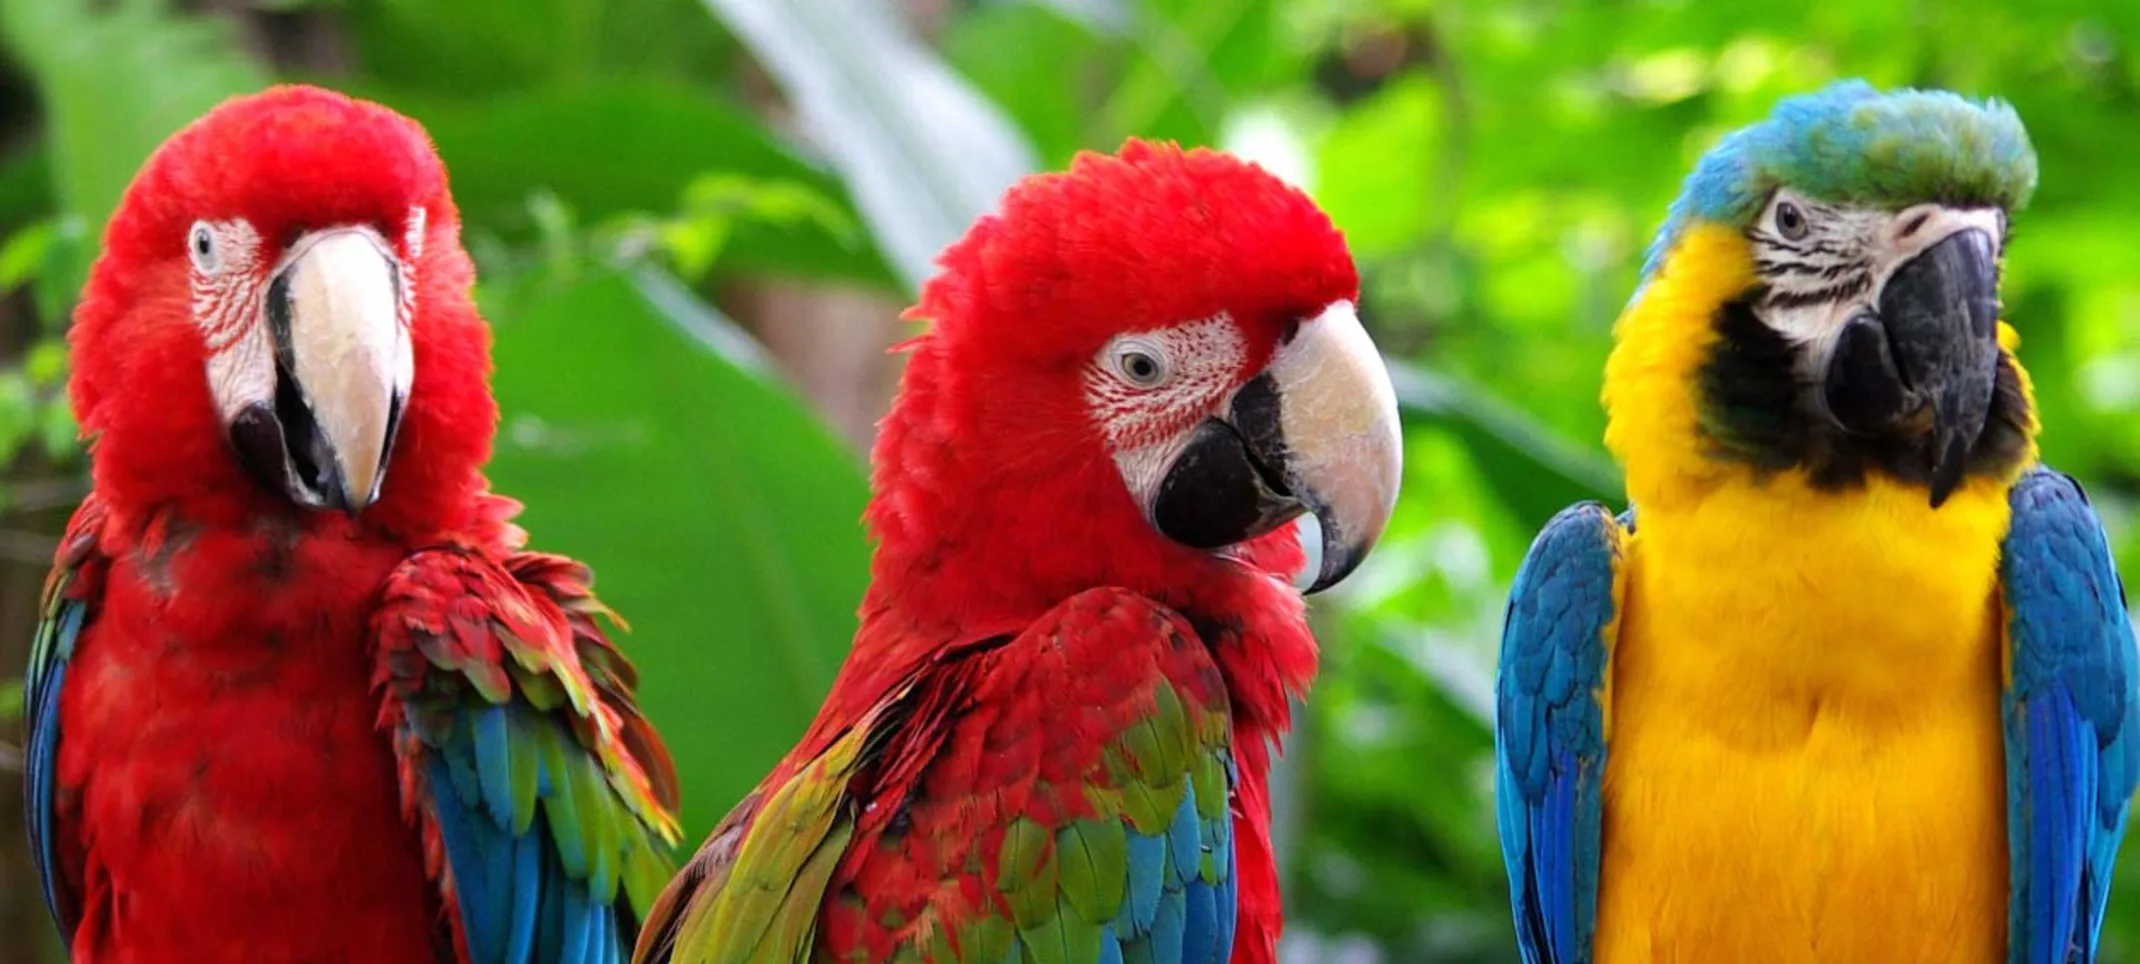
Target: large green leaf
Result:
[1537, 472]
[612, 147]
[484, 47]
[115, 80]
[722, 518]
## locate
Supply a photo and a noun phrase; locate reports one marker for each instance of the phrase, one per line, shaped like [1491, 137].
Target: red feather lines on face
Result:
[288, 160]
[996, 494]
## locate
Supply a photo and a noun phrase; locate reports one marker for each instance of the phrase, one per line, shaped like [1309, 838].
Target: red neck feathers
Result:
[983, 526]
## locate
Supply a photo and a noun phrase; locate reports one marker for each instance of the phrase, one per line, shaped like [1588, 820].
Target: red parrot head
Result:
[282, 305]
[1151, 358]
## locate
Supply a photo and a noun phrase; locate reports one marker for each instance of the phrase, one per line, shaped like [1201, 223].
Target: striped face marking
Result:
[231, 273]
[1821, 263]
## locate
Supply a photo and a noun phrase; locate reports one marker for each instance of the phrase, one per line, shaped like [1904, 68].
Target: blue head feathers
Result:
[1849, 143]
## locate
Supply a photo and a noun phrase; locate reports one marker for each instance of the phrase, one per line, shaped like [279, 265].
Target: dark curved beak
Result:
[1316, 432]
[342, 368]
[1926, 365]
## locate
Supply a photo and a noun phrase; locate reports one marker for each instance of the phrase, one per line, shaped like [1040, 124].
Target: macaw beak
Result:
[1316, 431]
[343, 365]
[1925, 362]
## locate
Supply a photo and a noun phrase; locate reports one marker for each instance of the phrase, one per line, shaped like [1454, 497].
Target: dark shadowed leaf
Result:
[115, 80]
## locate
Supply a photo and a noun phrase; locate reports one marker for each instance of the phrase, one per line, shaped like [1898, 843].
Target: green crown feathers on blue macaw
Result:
[1869, 672]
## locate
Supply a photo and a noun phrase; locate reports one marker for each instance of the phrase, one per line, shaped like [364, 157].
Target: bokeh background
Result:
[696, 221]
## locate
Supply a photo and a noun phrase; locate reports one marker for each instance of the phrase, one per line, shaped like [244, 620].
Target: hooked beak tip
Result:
[1949, 464]
[1315, 432]
[341, 369]
[1923, 369]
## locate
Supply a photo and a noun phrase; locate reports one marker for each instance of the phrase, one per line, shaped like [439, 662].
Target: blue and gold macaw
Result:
[1853, 679]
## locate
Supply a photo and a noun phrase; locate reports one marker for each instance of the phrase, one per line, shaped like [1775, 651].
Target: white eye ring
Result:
[201, 246]
[1138, 363]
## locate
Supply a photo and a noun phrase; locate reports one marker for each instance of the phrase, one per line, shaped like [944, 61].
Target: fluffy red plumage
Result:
[228, 786]
[999, 499]
[970, 551]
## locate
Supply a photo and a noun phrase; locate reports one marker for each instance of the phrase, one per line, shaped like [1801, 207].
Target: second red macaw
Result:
[1051, 740]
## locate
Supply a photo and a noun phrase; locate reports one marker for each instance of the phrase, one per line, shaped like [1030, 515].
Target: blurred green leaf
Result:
[486, 47]
[26, 253]
[723, 519]
[18, 413]
[1189, 58]
[1535, 471]
[26, 184]
[621, 146]
[45, 363]
[10, 700]
[922, 153]
[105, 120]
[58, 433]
[1042, 67]
[1369, 167]
[1107, 16]
[715, 206]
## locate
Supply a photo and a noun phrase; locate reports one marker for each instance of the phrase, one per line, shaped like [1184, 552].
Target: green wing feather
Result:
[1058, 797]
[547, 802]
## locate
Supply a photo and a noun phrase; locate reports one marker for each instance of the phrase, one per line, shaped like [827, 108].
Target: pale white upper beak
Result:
[349, 351]
[313, 391]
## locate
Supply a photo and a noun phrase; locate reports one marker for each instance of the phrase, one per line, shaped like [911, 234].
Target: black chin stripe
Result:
[1755, 411]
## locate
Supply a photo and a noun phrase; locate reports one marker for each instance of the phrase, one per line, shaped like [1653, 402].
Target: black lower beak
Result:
[1315, 431]
[1228, 484]
[1926, 365]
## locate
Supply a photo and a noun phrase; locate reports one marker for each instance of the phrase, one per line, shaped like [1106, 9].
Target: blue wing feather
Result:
[66, 613]
[520, 896]
[1549, 731]
[1171, 913]
[548, 839]
[2072, 720]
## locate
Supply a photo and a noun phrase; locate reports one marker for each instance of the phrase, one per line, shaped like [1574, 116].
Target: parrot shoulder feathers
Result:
[546, 800]
[1066, 788]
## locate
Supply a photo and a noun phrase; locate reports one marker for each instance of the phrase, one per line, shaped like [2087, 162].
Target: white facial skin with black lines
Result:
[351, 307]
[1147, 389]
[227, 289]
[1216, 454]
[1824, 263]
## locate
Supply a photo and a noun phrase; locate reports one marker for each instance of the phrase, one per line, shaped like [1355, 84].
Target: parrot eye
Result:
[1790, 222]
[1138, 364]
[201, 244]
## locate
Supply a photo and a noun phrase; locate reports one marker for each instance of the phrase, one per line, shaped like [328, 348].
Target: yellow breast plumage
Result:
[1805, 758]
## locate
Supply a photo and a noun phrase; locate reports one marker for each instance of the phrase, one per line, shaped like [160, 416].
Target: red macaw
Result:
[299, 695]
[1052, 735]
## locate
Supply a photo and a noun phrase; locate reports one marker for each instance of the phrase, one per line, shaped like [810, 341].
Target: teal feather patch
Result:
[1850, 143]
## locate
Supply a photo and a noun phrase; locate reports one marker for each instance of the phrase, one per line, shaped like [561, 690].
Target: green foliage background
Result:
[1497, 166]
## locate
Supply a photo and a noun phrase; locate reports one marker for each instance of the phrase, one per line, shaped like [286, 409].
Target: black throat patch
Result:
[1756, 411]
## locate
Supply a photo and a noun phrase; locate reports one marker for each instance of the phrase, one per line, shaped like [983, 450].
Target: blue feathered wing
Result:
[1549, 730]
[2071, 715]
